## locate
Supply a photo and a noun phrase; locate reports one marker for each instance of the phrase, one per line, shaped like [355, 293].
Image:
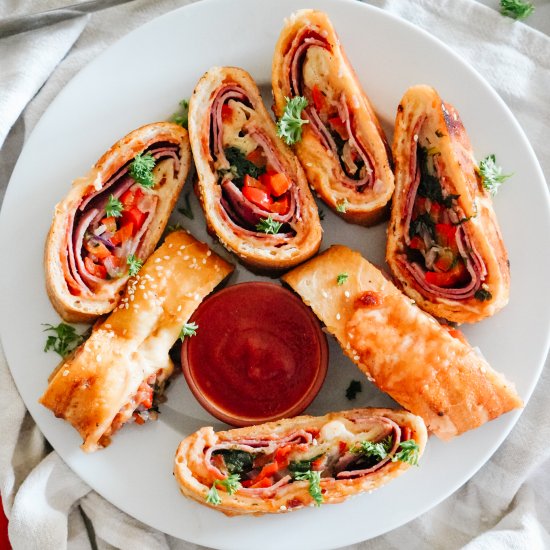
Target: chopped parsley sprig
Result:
[231, 484]
[516, 9]
[141, 170]
[377, 450]
[289, 126]
[409, 452]
[188, 329]
[314, 479]
[63, 340]
[491, 174]
[182, 116]
[341, 278]
[134, 264]
[269, 226]
[114, 207]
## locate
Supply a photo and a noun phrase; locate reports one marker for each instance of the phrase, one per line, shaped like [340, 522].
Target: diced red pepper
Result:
[123, 234]
[277, 183]
[281, 456]
[444, 263]
[134, 216]
[227, 112]
[318, 463]
[255, 484]
[318, 98]
[281, 206]
[255, 194]
[448, 279]
[109, 223]
[131, 197]
[338, 125]
[95, 269]
[147, 399]
[446, 234]
[342, 447]
[99, 250]
[417, 243]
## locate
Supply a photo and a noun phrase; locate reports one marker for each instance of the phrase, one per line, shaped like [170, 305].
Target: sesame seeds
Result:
[415, 137]
[346, 294]
[324, 293]
[338, 316]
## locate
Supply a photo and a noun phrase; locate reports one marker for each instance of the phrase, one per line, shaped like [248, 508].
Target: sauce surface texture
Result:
[259, 353]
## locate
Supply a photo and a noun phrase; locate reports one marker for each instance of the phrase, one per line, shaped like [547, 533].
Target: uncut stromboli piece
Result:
[282, 466]
[111, 378]
[251, 186]
[429, 369]
[110, 218]
[343, 148]
[444, 245]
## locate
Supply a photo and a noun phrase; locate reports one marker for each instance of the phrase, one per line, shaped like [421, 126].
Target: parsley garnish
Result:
[186, 210]
[408, 453]
[516, 9]
[113, 207]
[141, 170]
[189, 329]
[377, 450]
[314, 479]
[269, 225]
[182, 116]
[491, 174]
[289, 126]
[134, 265]
[353, 389]
[64, 340]
[342, 205]
[341, 278]
[482, 295]
[231, 484]
[241, 166]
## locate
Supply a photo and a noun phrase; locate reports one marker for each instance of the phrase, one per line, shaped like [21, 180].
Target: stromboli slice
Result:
[444, 244]
[270, 461]
[251, 186]
[343, 148]
[427, 368]
[108, 217]
[109, 379]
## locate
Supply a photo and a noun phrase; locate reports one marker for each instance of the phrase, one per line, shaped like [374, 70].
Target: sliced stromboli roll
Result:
[111, 217]
[252, 188]
[113, 377]
[343, 148]
[427, 368]
[283, 466]
[444, 244]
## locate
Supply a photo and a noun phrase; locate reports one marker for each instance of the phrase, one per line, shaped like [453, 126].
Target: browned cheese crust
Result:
[329, 69]
[254, 248]
[423, 113]
[89, 304]
[402, 350]
[195, 477]
[102, 377]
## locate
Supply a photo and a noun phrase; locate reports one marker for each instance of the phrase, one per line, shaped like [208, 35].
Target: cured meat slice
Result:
[444, 244]
[343, 148]
[112, 217]
[427, 368]
[282, 466]
[112, 378]
[251, 186]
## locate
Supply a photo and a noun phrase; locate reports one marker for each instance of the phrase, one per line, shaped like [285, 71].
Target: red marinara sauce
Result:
[259, 354]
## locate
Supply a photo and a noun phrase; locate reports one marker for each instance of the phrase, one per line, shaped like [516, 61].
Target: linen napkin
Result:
[505, 505]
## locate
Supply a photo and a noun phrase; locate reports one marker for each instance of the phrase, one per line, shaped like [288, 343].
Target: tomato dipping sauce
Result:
[259, 354]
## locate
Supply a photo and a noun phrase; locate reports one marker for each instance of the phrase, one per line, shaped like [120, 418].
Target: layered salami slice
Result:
[118, 374]
[252, 188]
[283, 466]
[112, 219]
[444, 244]
[428, 368]
[343, 148]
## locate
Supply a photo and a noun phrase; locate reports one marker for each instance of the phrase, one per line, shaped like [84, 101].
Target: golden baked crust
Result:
[85, 304]
[402, 350]
[195, 473]
[256, 249]
[329, 69]
[96, 383]
[423, 115]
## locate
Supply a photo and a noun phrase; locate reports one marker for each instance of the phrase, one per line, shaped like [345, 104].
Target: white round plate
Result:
[140, 79]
